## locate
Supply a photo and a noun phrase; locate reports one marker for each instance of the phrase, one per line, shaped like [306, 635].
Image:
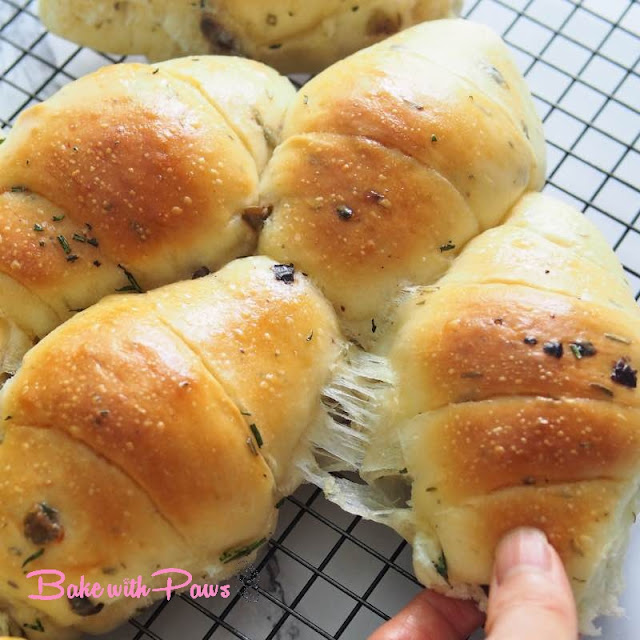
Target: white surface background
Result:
[581, 60]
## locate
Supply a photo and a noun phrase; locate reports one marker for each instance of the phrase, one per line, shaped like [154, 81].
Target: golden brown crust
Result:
[546, 245]
[538, 306]
[434, 116]
[250, 96]
[141, 159]
[516, 400]
[350, 211]
[134, 169]
[469, 343]
[105, 519]
[445, 148]
[172, 430]
[477, 448]
[480, 56]
[134, 422]
[30, 251]
[52, 256]
[517, 403]
[270, 344]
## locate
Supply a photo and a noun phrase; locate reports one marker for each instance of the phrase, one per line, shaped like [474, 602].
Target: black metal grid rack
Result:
[326, 574]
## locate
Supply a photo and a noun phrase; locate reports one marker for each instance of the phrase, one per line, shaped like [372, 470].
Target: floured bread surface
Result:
[157, 431]
[290, 35]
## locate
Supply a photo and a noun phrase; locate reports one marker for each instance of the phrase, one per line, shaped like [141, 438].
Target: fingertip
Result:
[530, 593]
[522, 547]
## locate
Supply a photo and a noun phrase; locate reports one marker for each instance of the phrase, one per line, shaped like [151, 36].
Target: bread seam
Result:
[213, 375]
[478, 90]
[109, 462]
[535, 231]
[490, 281]
[522, 396]
[392, 149]
[472, 500]
[196, 87]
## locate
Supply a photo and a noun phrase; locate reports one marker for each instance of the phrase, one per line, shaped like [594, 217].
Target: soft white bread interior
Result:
[394, 158]
[514, 403]
[290, 35]
[130, 444]
[133, 176]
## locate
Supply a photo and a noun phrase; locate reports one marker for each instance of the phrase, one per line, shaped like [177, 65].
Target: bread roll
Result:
[514, 403]
[134, 176]
[158, 447]
[395, 158]
[292, 35]
[498, 387]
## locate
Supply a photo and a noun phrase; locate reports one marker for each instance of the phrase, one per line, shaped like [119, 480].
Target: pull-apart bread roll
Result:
[515, 403]
[158, 431]
[395, 158]
[132, 177]
[290, 35]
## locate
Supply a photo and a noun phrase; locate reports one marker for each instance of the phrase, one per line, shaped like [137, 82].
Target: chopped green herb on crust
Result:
[240, 552]
[441, 566]
[256, 434]
[32, 557]
[64, 244]
[133, 283]
[36, 626]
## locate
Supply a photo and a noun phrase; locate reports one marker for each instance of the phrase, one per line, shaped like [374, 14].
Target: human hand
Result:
[530, 598]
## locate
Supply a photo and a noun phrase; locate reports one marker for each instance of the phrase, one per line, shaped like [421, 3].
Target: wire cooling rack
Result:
[326, 574]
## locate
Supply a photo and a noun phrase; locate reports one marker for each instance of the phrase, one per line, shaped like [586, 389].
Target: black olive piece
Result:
[623, 374]
[201, 273]
[84, 607]
[42, 525]
[583, 348]
[553, 348]
[284, 273]
[344, 212]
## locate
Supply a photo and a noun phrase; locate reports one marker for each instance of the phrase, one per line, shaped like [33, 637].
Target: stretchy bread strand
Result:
[512, 402]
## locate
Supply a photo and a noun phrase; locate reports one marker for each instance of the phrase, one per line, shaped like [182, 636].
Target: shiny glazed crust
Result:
[137, 169]
[154, 447]
[396, 157]
[511, 408]
[401, 189]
